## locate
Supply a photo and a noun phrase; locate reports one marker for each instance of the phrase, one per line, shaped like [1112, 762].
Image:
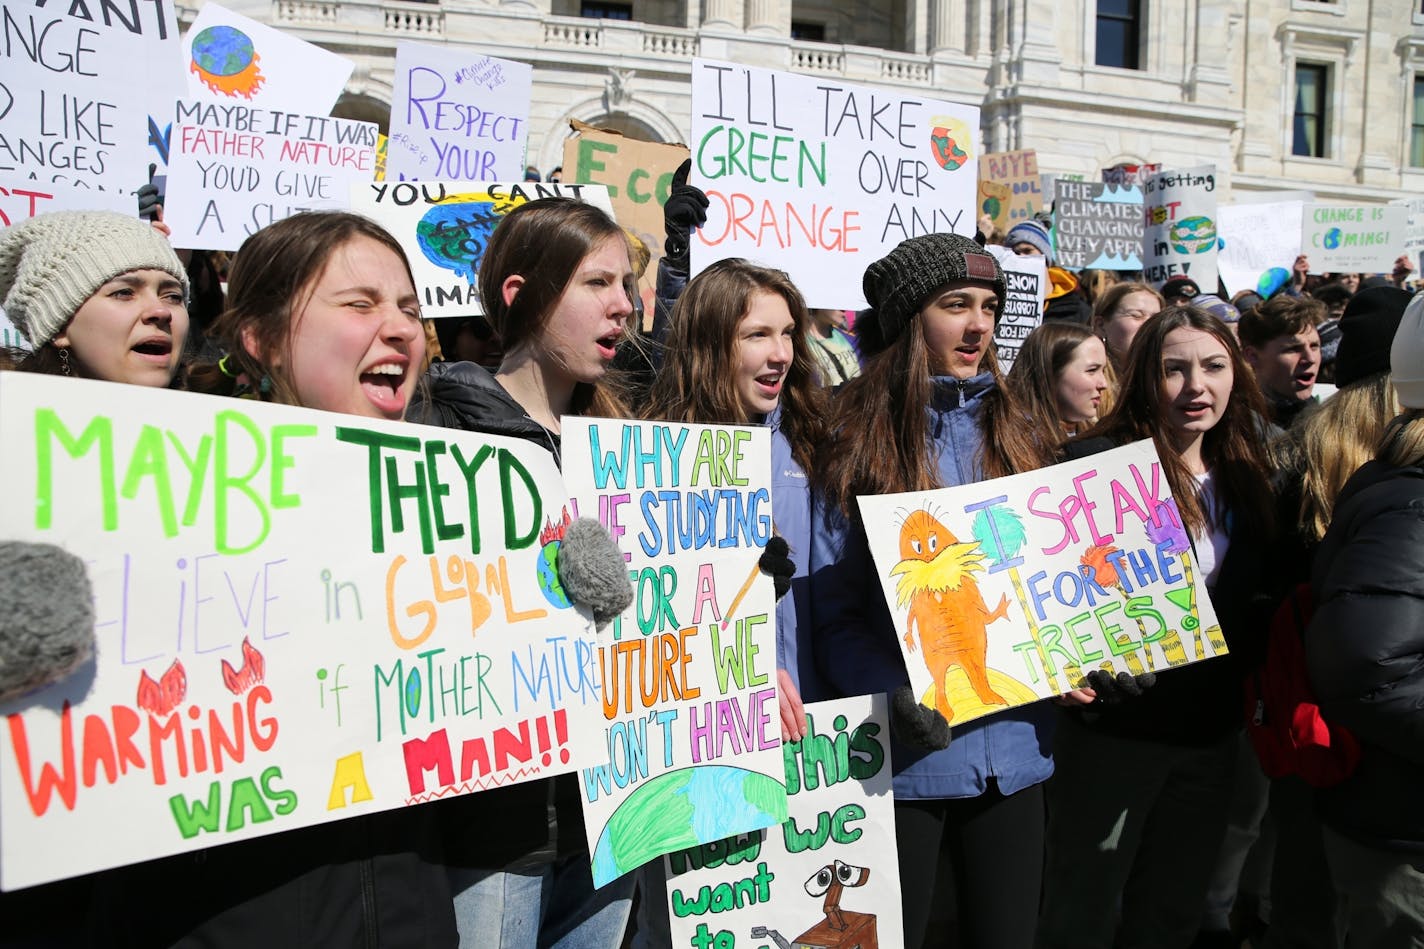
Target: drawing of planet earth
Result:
[549, 583]
[950, 142]
[1193, 235]
[1332, 238]
[681, 808]
[222, 51]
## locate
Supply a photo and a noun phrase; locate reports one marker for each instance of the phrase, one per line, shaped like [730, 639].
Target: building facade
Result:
[1325, 96]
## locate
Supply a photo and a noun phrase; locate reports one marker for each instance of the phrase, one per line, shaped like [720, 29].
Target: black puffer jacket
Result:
[1365, 653]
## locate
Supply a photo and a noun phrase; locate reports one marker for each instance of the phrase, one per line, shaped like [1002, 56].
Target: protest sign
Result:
[994, 201]
[1353, 239]
[692, 745]
[458, 115]
[1179, 237]
[445, 225]
[638, 176]
[1018, 171]
[1414, 231]
[1129, 176]
[234, 60]
[820, 178]
[1097, 226]
[234, 169]
[837, 846]
[77, 85]
[1254, 239]
[301, 616]
[1006, 591]
[1026, 280]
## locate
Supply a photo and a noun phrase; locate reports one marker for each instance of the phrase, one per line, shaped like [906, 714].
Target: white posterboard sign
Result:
[77, 88]
[1254, 239]
[234, 169]
[445, 225]
[1179, 237]
[820, 178]
[458, 115]
[1018, 585]
[1353, 239]
[691, 751]
[829, 876]
[301, 616]
[236, 60]
[1026, 280]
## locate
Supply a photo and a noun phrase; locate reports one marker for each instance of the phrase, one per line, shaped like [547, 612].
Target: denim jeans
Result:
[548, 906]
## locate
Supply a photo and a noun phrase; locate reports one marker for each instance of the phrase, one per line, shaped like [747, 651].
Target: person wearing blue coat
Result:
[929, 411]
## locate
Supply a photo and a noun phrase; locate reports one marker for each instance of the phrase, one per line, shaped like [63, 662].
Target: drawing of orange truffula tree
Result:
[1006, 592]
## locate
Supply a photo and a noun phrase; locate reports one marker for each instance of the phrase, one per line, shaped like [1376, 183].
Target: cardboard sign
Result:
[235, 60]
[822, 178]
[1353, 239]
[1256, 238]
[1097, 226]
[77, 86]
[1180, 233]
[692, 745]
[638, 176]
[1018, 585]
[445, 225]
[301, 616]
[234, 169]
[458, 115]
[1018, 172]
[1026, 279]
[829, 876]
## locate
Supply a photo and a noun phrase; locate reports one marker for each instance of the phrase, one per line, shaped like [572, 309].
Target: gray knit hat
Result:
[51, 264]
[898, 284]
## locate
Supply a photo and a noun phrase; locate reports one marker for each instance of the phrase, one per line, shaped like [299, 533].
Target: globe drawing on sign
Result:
[683, 808]
[1193, 235]
[950, 142]
[549, 583]
[225, 59]
[1331, 240]
[453, 234]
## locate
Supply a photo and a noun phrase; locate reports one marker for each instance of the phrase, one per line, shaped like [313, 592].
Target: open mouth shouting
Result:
[382, 384]
[157, 349]
[608, 346]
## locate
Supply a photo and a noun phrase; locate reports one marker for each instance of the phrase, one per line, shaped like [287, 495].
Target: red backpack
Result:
[1283, 720]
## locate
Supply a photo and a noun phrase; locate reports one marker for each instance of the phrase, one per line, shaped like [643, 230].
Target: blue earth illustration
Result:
[453, 235]
[222, 51]
[549, 583]
[1331, 240]
[1193, 235]
[682, 808]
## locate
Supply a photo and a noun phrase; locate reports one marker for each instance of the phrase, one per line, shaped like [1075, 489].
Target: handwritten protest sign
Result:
[301, 616]
[1414, 231]
[1097, 226]
[1004, 592]
[1129, 176]
[235, 169]
[76, 87]
[822, 177]
[692, 744]
[1353, 239]
[1017, 171]
[1026, 280]
[458, 115]
[1179, 208]
[638, 176]
[234, 60]
[1254, 239]
[445, 225]
[829, 874]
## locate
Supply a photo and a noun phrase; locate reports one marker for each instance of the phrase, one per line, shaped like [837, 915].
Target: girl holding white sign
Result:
[930, 411]
[1139, 803]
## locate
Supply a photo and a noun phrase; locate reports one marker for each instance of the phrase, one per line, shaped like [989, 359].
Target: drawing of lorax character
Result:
[840, 929]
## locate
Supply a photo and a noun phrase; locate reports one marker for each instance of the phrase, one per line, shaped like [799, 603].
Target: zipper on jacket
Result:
[371, 937]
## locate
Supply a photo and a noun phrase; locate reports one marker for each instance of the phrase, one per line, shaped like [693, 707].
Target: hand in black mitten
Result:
[686, 209]
[915, 725]
[1112, 690]
[148, 198]
[592, 570]
[776, 563]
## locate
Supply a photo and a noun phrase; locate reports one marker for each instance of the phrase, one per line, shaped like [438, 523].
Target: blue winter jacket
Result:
[856, 647]
[791, 510]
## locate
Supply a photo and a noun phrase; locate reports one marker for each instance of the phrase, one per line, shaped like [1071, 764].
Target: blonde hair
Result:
[1403, 442]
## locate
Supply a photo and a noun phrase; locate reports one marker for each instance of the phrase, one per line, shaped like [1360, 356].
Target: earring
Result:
[64, 369]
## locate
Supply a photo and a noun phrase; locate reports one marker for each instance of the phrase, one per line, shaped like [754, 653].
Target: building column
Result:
[946, 30]
[766, 16]
[725, 13]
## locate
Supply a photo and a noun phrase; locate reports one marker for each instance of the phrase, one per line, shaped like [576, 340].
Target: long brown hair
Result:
[880, 441]
[1232, 450]
[544, 242]
[1034, 380]
[270, 281]
[697, 380]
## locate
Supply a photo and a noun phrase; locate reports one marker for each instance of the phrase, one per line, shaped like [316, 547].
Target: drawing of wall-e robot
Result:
[840, 929]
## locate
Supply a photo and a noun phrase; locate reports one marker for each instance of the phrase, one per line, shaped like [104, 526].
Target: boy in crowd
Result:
[1281, 342]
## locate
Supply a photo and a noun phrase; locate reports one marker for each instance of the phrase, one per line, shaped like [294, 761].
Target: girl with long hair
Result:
[930, 411]
[1063, 377]
[1119, 313]
[1138, 806]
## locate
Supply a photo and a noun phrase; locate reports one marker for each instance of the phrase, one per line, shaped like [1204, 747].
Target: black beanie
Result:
[897, 285]
[1367, 332]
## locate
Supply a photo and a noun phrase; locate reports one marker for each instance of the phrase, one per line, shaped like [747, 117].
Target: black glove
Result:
[915, 725]
[1112, 690]
[148, 198]
[685, 210]
[776, 563]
